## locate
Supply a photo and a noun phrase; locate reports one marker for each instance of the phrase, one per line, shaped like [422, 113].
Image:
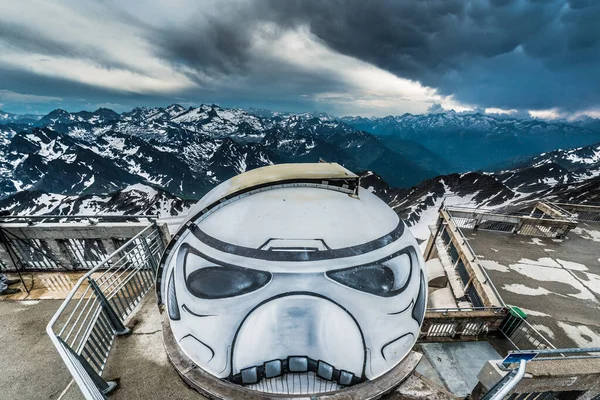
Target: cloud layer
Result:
[347, 57]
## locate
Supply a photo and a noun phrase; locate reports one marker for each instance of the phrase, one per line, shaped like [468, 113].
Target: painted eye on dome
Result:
[209, 281]
[221, 282]
[387, 278]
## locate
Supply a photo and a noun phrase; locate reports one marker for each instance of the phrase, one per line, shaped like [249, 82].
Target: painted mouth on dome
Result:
[295, 374]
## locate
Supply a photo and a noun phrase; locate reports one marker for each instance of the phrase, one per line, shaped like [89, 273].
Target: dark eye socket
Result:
[223, 282]
[384, 279]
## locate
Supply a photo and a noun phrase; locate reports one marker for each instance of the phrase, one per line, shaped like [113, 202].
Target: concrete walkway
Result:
[140, 361]
[30, 367]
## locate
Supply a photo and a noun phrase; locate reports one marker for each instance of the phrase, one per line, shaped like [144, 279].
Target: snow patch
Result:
[572, 265]
[526, 290]
[582, 335]
[494, 265]
[551, 274]
[544, 330]
[535, 313]
[588, 234]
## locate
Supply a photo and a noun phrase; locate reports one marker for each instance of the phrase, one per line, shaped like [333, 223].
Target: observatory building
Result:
[292, 279]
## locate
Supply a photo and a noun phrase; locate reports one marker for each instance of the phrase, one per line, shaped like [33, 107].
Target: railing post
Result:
[102, 385]
[114, 319]
[518, 227]
[151, 259]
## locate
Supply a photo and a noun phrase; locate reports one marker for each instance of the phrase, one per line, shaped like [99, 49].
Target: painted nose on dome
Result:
[298, 328]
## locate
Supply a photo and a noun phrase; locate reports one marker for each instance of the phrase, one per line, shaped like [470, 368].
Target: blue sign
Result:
[517, 357]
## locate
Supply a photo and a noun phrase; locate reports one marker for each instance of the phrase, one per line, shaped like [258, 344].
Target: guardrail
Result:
[58, 242]
[581, 212]
[468, 264]
[85, 326]
[547, 379]
[461, 323]
[511, 223]
[522, 335]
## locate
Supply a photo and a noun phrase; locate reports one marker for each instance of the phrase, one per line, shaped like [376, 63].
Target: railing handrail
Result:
[92, 317]
[568, 350]
[516, 214]
[78, 216]
[488, 280]
[50, 326]
[460, 309]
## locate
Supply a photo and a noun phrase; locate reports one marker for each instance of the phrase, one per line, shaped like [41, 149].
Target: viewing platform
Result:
[88, 282]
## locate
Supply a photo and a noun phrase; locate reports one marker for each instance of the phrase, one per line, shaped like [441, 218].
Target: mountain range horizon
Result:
[8, 116]
[160, 160]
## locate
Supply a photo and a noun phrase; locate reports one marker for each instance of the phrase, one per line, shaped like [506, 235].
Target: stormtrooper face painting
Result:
[294, 285]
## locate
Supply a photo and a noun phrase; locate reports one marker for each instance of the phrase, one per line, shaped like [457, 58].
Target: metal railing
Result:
[548, 391]
[581, 212]
[474, 262]
[63, 243]
[522, 335]
[517, 223]
[85, 326]
[459, 323]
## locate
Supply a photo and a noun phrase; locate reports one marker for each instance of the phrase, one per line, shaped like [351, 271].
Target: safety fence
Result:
[461, 323]
[61, 243]
[479, 322]
[547, 379]
[522, 335]
[85, 326]
[527, 225]
[478, 287]
[581, 212]
[489, 313]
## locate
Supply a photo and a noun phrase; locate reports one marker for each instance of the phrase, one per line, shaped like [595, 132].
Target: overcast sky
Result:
[344, 57]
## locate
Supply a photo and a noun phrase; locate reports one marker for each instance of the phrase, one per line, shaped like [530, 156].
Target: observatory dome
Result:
[293, 271]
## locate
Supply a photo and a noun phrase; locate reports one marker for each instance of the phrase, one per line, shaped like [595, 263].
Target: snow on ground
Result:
[543, 329]
[551, 274]
[150, 191]
[493, 265]
[580, 334]
[428, 216]
[592, 282]
[589, 234]
[522, 289]
[572, 265]
[534, 313]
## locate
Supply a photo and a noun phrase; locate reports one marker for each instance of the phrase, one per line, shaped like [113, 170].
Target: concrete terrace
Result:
[137, 360]
[555, 281]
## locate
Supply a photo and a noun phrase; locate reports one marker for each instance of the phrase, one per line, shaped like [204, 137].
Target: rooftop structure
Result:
[543, 266]
[96, 278]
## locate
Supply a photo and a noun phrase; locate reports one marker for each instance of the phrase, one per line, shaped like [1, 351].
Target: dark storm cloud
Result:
[510, 54]
[497, 53]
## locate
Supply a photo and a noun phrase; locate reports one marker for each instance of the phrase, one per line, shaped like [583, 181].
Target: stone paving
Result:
[555, 281]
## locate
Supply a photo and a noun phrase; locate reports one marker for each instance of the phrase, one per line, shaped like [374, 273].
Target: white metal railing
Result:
[581, 212]
[85, 326]
[475, 262]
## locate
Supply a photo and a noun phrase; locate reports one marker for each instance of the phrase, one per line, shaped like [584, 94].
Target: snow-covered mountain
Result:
[470, 142]
[10, 118]
[148, 160]
[136, 199]
[569, 176]
[183, 151]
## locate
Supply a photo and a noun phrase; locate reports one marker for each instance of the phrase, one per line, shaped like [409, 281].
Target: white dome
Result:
[291, 269]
